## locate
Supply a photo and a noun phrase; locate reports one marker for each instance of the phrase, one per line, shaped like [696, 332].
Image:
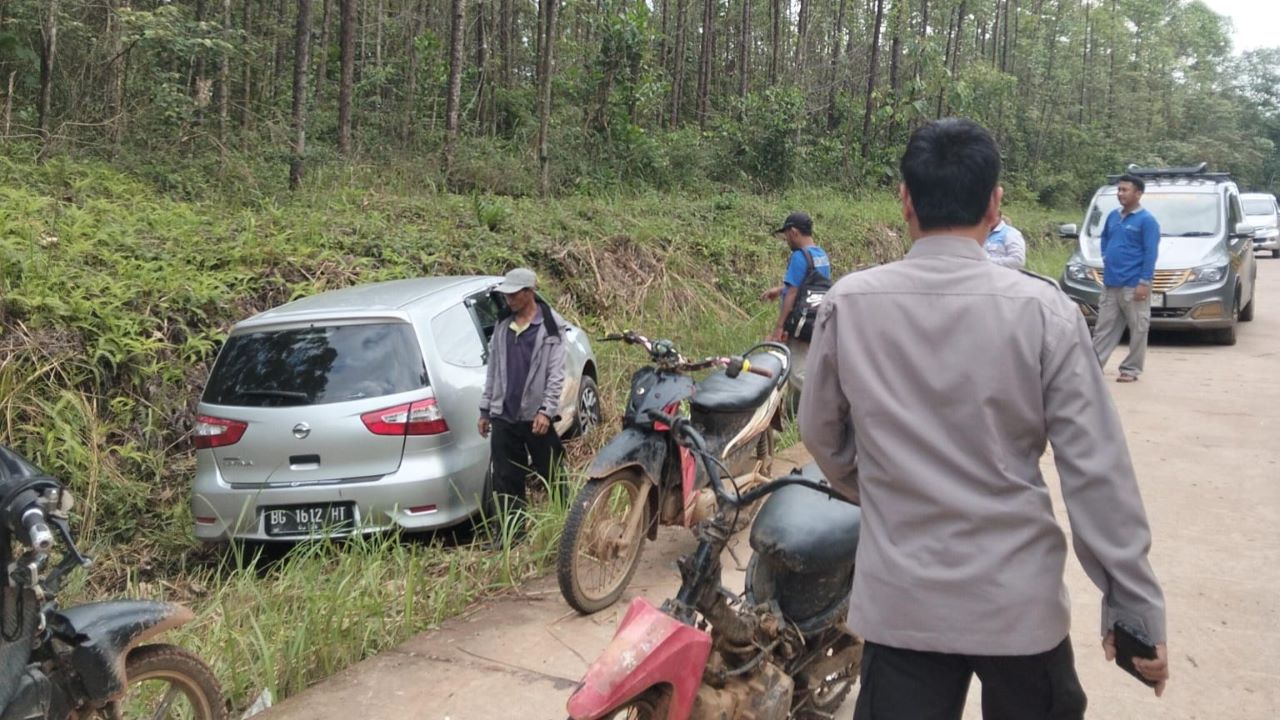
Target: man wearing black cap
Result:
[797, 230]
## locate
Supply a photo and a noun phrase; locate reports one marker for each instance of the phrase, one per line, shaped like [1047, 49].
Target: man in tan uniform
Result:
[934, 384]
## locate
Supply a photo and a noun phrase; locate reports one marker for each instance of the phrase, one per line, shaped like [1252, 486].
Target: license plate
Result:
[309, 519]
[1157, 300]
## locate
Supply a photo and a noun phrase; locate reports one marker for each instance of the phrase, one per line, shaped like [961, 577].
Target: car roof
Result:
[1257, 195]
[391, 298]
[1175, 185]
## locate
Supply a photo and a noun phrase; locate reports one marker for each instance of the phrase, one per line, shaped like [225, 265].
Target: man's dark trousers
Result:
[899, 684]
[516, 451]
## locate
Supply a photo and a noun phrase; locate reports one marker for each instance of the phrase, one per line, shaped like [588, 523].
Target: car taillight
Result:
[419, 418]
[212, 432]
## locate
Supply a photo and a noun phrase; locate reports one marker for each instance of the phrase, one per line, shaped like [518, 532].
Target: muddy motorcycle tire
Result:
[188, 679]
[596, 559]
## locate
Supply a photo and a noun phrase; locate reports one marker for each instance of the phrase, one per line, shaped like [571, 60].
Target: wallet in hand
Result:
[1133, 643]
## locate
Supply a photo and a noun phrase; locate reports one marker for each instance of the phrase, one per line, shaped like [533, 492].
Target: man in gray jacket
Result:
[934, 385]
[522, 388]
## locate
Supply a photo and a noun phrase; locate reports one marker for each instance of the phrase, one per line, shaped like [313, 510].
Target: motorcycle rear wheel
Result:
[166, 681]
[596, 560]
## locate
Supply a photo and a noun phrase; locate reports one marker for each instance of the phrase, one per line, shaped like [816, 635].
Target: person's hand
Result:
[1142, 292]
[483, 427]
[541, 424]
[1157, 670]
[777, 336]
[771, 294]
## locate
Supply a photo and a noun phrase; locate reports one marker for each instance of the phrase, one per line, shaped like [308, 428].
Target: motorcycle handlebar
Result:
[37, 529]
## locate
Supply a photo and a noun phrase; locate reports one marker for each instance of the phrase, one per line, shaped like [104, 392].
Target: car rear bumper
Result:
[430, 490]
[1185, 308]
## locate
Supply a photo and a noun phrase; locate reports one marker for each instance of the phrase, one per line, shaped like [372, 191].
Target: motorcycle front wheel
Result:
[650, 705]
[603, 536]
[165, 681]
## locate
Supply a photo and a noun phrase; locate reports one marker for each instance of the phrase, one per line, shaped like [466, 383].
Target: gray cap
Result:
[517, 280]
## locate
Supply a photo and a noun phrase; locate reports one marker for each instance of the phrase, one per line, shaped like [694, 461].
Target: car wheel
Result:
[1246, 313]
[589, 414]
[1275, 254]
[1227, 335]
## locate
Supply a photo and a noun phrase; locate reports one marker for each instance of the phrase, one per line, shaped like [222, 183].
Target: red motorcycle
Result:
[780, 649]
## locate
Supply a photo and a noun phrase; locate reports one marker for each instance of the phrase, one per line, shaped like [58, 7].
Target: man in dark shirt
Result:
[522, 390]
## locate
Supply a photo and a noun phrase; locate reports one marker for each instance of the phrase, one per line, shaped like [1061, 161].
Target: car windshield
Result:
[1181, 214]
[316, 365]
[1258, 206]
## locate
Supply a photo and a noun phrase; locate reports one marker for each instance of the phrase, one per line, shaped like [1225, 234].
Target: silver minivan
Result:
[356, 409]
[1205, 269]
[1261, 211]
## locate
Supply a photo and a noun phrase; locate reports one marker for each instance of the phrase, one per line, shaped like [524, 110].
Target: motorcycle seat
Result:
[720, 393]
[805, 530]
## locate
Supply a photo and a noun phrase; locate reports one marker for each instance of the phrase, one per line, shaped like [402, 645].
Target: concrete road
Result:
[1204, 428]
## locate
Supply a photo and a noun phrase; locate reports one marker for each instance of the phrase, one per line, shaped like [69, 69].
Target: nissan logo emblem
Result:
[301, 430]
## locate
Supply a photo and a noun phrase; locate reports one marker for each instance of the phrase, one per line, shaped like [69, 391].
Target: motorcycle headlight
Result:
[1208, 274]
[1079, 272]
[1264, 233]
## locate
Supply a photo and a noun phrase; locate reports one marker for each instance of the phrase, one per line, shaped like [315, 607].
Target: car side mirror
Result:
[1243, 231]
[1068, 230]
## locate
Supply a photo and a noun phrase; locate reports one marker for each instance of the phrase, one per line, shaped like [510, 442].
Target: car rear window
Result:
[1258, 206]
[316, 365]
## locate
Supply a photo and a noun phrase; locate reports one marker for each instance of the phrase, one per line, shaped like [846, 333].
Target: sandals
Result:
[1127, 378]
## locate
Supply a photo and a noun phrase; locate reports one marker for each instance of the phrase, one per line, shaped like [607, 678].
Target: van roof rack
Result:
[1199, 172]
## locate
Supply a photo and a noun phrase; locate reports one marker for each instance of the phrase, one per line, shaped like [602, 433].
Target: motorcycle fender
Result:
[644, 450]
[650, 649]
[103, 633]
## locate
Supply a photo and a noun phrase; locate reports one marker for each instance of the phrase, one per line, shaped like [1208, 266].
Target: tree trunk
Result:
[411, 79]
[8, 104]
[347, 59]
[744, 50]
[802, 41]
[677, 63]
[301, 64]
[224, 75]
[48, 52]
[454, 89]
[946, 58]
[199, 85]
[505, 41]
[322, 50]
[775, 40]
[895, 47]
[704, 61]
[246, 113]
[544, 95]
[115, 81]
[278, 59]
[871, 80]
[836, 36]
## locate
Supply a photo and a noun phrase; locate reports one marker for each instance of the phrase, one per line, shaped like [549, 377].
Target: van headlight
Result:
[1079, 272]
[1264, 233]
[1208, 274]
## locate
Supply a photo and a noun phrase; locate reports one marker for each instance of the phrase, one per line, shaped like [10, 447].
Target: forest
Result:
[514, 97]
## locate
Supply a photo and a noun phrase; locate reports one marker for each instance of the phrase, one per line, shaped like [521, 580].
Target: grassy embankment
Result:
[114, 298]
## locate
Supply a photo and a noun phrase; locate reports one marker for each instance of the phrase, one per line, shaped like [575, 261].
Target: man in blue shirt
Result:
[797, 230]
[1130, 241]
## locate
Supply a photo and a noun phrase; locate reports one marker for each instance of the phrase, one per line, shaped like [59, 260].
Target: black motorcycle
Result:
[780, 649]
[641, 478]
[88, 661]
